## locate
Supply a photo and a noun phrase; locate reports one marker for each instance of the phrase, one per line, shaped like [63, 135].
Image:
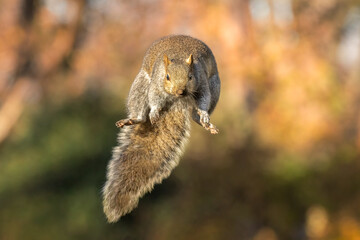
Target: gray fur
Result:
[178, 80]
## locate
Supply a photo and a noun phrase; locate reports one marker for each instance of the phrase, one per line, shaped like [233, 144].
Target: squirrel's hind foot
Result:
[129, 121]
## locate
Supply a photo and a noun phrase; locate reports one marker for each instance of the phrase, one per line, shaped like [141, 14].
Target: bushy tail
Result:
[146, 155]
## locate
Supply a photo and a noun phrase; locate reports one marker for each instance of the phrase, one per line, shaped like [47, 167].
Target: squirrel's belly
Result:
[164, 141]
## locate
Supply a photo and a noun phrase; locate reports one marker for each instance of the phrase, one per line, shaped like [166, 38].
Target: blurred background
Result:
[286, 164]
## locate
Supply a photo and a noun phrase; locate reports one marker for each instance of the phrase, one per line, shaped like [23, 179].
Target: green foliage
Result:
[51, 177]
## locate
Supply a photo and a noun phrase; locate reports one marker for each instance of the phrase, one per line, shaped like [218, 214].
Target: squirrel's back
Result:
[178, 46]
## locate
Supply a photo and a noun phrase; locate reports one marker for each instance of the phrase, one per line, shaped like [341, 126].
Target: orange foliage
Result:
[282, 84]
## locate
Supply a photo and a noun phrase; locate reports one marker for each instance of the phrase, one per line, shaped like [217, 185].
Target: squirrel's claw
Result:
[213, 129]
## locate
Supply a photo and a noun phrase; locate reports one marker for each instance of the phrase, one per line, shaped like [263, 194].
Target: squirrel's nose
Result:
[179, 92]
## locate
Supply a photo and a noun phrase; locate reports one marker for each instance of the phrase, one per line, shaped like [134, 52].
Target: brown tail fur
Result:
[145, 156]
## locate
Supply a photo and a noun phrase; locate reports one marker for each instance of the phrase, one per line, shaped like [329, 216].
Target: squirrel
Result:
[178, 80]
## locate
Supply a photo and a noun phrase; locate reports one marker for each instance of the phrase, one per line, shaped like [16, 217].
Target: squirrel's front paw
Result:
[154, 115]
[205, 122]
[204, 118]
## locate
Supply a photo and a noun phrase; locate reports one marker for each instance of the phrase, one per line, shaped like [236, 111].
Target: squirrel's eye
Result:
[167, 77]
[190, 77]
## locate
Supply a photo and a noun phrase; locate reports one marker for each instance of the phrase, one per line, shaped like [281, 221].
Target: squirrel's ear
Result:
[166, 60]
[190, 59]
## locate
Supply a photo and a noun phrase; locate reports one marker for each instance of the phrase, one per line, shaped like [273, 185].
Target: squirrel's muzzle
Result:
[179, 92]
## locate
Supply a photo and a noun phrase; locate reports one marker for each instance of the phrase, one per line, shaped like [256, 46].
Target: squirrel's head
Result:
[178, 79]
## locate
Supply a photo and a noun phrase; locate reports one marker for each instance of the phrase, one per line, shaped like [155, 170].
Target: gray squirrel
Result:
[178, 80]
